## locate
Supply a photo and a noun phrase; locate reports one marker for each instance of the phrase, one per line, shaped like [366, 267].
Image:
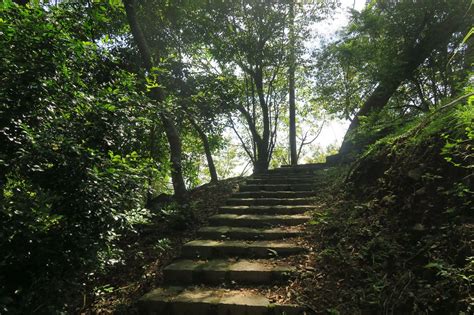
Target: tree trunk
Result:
[174, 141]
[291, 86]
[171, 131]
[411, 58]
[207, 151]
[262, 161]
[263, 151]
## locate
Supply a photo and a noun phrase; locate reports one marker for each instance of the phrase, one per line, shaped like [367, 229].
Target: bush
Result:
[72, 167]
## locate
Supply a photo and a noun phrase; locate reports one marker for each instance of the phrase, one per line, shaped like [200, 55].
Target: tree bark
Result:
[171, 131]
[207, 150]
[411, 58]
[291, 86]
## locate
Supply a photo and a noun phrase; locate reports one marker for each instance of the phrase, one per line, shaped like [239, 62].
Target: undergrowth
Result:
[396, 234]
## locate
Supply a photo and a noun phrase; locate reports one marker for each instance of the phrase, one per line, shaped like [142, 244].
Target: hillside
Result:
[394, 230]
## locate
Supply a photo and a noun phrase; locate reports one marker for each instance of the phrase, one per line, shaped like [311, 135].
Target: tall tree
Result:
[387, 49]
[248, 39]
[291, 84]
[157, 94]
[409, 33]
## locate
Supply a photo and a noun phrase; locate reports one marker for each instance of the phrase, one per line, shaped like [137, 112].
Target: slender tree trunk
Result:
[171, 131]
[174, 141]
[262, 160]
[291, 86]
[207, 151]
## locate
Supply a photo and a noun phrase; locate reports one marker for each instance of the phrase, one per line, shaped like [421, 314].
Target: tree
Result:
[203, 100]
[249, 36]
[291, 85]
[382, 49]
[157, 94]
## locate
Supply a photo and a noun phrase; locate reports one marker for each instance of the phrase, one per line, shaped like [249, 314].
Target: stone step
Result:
[268, 201]
[250, 220]
[315, 166]
[292, 171]
[299, 177]
[276, 187]
[206, 301]
[278, 180]
[306, 174]
[204, 249]
[298, 209]
[246, 233]
[273, 194]
[218, 271]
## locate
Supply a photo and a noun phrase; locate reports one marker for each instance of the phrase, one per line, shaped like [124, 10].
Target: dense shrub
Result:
[72, 167]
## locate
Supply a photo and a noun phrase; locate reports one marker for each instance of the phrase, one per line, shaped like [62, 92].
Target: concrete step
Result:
[273, 194]
[219, 271]
[250, 220]
[273, 180]
[204, 249]
[268, 201]
[245, 233]
[206, 301]
[276, 187]
[298, 209]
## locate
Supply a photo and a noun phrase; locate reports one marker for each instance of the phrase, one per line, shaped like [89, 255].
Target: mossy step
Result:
[273, 194]
[272, 180]
[206, 301]
[251, 220]
[276, 187]
[256, 249]
[246, 233]
[268, 201]
[219, 271]
[278, 209]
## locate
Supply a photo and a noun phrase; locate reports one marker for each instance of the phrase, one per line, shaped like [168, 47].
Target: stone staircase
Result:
[241, 251]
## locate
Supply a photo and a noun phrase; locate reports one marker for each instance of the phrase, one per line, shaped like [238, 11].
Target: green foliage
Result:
[73, 168]
[400, 237]
[377, 44]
